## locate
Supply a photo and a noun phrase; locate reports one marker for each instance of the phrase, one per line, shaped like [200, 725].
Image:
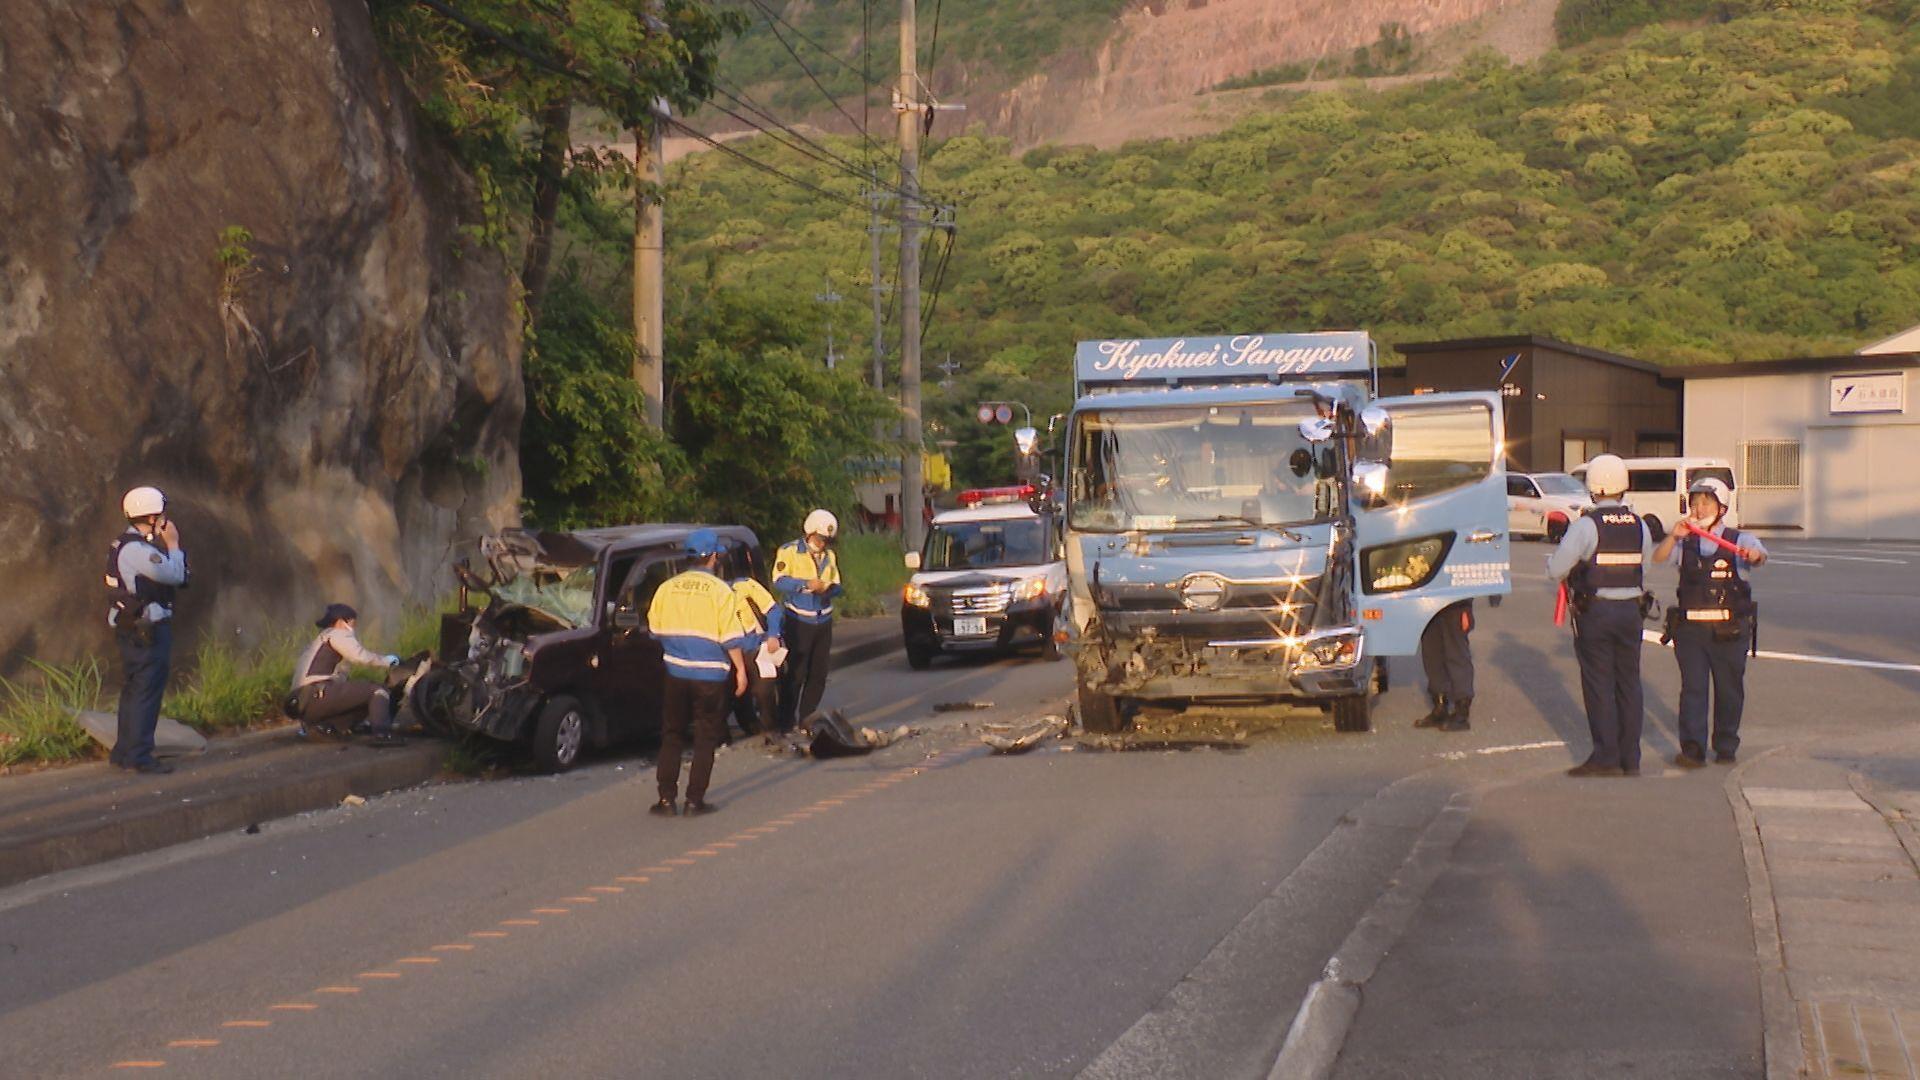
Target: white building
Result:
[1821, 447]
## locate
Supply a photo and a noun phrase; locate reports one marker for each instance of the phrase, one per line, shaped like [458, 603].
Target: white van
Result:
[1657, 487]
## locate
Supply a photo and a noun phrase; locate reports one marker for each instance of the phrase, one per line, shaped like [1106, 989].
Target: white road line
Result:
[1837, 661]
[1913, 552]
[1851, 558]
[1790, 562]
[1458, 755]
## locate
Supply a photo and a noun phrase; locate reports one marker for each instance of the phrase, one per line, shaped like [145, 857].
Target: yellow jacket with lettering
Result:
[696, 617]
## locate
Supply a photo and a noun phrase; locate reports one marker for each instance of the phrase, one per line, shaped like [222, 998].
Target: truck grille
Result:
[1249, 610]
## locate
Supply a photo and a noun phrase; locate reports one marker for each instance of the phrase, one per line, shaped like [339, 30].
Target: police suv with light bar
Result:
[1244, 521]
[990, 577]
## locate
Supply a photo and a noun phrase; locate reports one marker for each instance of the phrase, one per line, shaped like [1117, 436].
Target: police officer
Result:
[806, 574]
[696, 617]
[1603, 559]
[329, 699]
[1712, 625]
[1448, 660]
[759, 710]
[146, 567]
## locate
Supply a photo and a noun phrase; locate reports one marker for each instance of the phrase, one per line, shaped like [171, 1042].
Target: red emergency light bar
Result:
[985, 496]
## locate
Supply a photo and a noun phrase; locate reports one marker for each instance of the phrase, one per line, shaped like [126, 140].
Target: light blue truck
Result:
[1247, 521]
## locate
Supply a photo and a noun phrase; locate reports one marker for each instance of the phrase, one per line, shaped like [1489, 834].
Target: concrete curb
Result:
[334, 777]
[1319, 1029]
[247, 803]
[1779, 1020]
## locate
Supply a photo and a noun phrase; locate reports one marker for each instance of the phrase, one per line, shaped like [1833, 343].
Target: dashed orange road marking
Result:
[519, 922]
[656, 869]
[453, 948]
[247, 1024]
[606, 889]
[549, 911]
[489, 934]
[724, 844]
[679, 862]
[802, 816]
[831, 802]
[636, 880]
[419, 960]
[338, 990]
[778, 822]
[378, 975]
[192, 1044]
[139, 1064]
[704, 853]
[293, 1006]
[579, 899]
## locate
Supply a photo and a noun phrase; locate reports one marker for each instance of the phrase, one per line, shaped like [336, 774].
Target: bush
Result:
[872, 570]
[233, 688]
[37, 722]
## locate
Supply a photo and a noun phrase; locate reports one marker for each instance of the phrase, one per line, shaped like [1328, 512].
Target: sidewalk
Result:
[59, 819]
[1834, 827]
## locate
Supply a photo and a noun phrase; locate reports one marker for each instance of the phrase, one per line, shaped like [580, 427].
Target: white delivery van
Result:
[1657, 487]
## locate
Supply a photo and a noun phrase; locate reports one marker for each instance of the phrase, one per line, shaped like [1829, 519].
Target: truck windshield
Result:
[986, 545]
[1198, 467]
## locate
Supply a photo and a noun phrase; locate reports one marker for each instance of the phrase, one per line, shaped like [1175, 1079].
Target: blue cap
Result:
[704, 542]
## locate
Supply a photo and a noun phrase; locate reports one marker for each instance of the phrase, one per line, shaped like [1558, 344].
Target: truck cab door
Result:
[1436, 533]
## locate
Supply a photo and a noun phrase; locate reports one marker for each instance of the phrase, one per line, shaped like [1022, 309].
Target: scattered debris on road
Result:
[1020, 737]
[834, 737]
[353, 800]
[962, 706]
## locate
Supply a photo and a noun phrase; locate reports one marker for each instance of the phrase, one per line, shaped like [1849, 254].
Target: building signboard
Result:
[1241, 357]
[1880, 392]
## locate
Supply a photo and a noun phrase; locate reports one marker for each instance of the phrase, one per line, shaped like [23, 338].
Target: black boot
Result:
[1456, 718]
[1434, 718]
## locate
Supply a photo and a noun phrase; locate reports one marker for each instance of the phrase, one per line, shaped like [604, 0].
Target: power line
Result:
[939, 277]
[807, 147]
[773, 16]
[695, 133]
[815, 79]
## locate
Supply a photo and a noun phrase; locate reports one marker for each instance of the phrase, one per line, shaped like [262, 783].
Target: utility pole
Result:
[907, 104]
[649, 266]
[830, 298]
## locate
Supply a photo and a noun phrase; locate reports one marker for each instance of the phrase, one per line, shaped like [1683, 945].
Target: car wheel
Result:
[1050, 646]
[1100, 713]
[1556, 531]
[1353, 714]
[1654, 528]
[560, 735]
[919, 659]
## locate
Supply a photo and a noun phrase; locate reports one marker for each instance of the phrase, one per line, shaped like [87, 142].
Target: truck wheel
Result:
[560, 735]
[918, 659]
[1100, 713]
[1380, 677]
[1353, 713]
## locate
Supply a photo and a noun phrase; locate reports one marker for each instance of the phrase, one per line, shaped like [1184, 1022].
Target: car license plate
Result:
[970, 627]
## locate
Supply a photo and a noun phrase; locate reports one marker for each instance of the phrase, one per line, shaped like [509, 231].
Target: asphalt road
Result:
[933, 910]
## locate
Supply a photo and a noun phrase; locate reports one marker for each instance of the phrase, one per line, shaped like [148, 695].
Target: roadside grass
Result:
[232, 688]
[871, 569]
[36, 719]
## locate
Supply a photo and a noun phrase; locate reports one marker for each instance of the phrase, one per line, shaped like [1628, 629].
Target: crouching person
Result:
[327, 698]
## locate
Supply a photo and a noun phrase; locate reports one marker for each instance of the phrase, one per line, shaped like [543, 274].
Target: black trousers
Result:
[1606, 638]
[337, 703]
[809, 648]
[1446, 654]
[1721, 665]
[758, 710]
[686, 704]
[146, 663]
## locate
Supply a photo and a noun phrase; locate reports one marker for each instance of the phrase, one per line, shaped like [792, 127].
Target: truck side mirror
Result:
[912, 559]
[1370, 482]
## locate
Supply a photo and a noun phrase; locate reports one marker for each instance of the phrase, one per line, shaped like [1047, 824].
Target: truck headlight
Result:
[1340, 648]
[1032, 588]
[1407, 565]
[914, 596]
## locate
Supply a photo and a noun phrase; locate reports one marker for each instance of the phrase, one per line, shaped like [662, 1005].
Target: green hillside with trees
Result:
[1740, 186]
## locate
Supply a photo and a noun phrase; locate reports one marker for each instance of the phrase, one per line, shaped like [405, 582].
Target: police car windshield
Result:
[986, 545]
[564, 593]
[1559, 483]
[1198, 467]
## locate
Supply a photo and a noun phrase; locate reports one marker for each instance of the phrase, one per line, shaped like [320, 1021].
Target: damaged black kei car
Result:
[558, 659]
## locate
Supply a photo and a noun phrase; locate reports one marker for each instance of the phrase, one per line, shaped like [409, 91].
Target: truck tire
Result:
[1353, 713]
[1100, 713]
[560, 735]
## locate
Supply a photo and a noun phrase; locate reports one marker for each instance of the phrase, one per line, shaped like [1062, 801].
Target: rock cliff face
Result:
[1167, 50]
[328, 415]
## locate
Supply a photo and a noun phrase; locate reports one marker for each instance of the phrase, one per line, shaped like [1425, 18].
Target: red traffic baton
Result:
[1682, 526]
[1560, 606]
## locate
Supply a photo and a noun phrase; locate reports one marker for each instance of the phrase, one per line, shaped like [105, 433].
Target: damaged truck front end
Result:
[1233, 531]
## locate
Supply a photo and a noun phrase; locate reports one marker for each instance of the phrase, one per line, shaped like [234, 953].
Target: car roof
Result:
[582, 546]
[1007, 511]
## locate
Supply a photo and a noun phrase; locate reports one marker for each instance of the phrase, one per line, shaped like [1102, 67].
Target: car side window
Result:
[617, 573]
[645, 582]
[1662, 480]
[1520, 487]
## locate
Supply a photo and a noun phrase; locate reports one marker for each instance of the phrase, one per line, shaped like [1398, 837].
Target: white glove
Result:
[393, 661]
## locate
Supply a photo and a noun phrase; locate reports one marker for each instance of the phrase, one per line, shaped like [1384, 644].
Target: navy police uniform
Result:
[1603, 560]
[1713, 627]
[143, 578]
[1447, 657]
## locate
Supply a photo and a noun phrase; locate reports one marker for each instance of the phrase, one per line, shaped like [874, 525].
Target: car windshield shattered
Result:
[1199, 467]
[566, 593]
[984, 545]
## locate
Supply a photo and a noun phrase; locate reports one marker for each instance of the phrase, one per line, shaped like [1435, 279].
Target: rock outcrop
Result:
[329, 411]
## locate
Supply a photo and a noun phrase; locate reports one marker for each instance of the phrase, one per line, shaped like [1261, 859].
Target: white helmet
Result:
[822, 523]
[1607, 475]
[1714, 486]
[143, 502]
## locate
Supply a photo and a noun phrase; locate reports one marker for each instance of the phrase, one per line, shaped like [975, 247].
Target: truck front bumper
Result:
[1317, 666]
